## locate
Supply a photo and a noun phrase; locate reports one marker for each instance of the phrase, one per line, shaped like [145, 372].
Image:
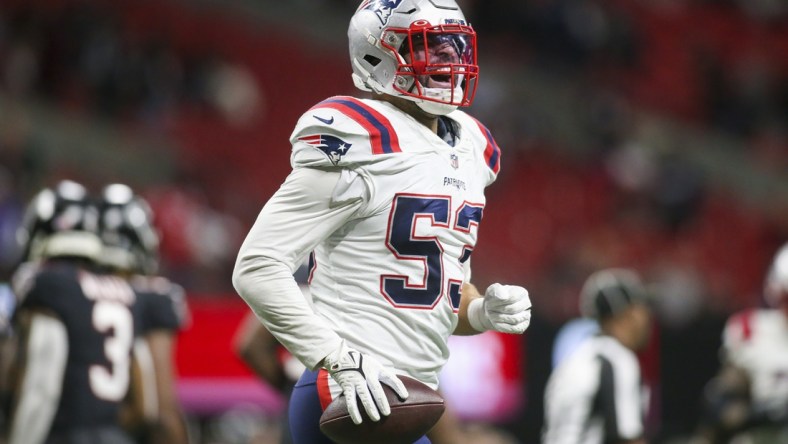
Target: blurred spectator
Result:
[198, 241]
[80, 53]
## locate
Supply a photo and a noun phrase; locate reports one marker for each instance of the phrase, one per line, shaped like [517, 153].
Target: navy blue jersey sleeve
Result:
[163, 305]
[161, 314]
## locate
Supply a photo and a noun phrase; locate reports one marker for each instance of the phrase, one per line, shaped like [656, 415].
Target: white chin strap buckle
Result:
[449, 100]
[435, 108]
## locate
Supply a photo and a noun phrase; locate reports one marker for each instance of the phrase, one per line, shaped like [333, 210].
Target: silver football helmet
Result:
[776, 291]
[130, 240]
[60, 221]
[420, 50]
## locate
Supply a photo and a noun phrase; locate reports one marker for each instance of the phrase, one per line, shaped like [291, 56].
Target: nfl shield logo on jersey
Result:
[455, 161]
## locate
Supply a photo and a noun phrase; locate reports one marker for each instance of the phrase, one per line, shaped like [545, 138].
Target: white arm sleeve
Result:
[47, 353]
[307, 208]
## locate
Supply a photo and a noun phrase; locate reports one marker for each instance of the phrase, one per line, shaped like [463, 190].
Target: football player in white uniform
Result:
[750, 395]
[389, 194]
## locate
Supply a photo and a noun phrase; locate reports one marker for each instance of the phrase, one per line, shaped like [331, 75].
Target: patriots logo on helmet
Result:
[381, 8]
[332, 146]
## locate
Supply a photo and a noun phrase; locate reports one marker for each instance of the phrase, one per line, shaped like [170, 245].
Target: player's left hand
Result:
[504, 308]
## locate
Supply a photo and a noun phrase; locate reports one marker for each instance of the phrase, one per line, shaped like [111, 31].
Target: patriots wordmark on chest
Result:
[454, 182]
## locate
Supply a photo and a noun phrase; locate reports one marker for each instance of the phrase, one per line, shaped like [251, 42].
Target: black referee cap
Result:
[607, 292]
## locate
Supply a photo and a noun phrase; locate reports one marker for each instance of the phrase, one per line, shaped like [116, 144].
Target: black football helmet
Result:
[126, 228]
[609, 291]
[60, 221]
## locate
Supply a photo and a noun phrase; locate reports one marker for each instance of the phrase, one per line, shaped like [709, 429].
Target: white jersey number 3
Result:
[114, 319]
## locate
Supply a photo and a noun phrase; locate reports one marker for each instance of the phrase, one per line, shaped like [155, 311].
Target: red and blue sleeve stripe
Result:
[382, 136]
[492, 154]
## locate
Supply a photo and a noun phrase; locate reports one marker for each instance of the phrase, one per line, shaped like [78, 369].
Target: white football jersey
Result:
[389, 280]
[757, 342]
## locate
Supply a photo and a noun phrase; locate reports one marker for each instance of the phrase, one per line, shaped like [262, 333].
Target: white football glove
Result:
[504, 308]
[361, 375]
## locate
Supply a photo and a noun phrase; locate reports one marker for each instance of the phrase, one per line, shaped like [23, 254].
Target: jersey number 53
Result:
[403, 241]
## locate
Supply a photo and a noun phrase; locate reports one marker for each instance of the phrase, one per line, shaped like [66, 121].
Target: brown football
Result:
[409, 419]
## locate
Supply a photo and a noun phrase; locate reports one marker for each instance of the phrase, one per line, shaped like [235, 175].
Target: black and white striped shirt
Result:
[595, 395]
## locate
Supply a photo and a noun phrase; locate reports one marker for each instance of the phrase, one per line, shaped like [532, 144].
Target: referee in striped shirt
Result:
[595, 395]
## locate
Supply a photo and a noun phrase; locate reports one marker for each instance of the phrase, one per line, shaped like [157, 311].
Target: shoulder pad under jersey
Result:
[169, 300]
[482, 140]
[52, 286]
[342, 131]
[23, 278]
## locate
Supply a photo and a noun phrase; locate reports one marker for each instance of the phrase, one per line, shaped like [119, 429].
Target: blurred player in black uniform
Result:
[130, 250]
[75, 327]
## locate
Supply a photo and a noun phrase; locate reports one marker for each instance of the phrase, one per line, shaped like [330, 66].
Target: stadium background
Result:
[643, 133]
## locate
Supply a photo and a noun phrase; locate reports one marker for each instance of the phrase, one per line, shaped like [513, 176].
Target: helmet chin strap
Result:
[435, 108]
[445, 96]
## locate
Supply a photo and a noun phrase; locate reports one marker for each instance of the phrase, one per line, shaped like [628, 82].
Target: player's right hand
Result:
[361, 375]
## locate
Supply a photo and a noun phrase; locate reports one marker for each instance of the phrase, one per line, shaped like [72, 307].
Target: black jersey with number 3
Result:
[99, 313]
